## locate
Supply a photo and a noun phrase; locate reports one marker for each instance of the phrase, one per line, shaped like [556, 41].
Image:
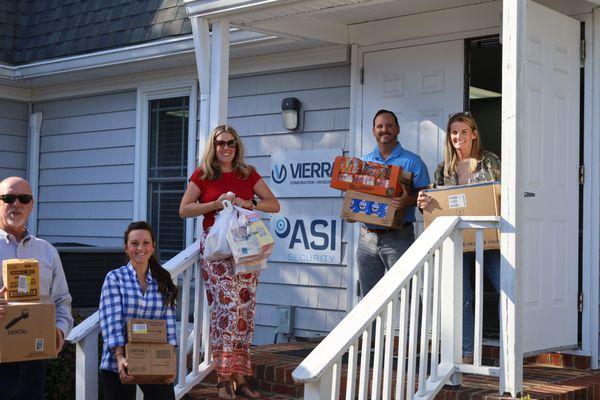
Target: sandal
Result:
[244, 389]
[228, 386]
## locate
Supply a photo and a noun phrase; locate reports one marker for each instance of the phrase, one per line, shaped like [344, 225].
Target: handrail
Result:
[351, 327]
[406, 307]
[175, 266]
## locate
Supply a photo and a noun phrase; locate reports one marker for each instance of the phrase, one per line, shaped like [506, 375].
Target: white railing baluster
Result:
[198, 314]
[435, 328]
[477, 347]
[425, 322]
[185, 307]
[335, 384]
[376, 377]
[321, 388]
[388, 361]
[365, 360]
[351, 371]
[451, 307]
[402, 334]
[412, 337]
[205, 325]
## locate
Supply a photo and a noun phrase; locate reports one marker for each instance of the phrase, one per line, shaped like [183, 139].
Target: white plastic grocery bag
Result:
[216, 246]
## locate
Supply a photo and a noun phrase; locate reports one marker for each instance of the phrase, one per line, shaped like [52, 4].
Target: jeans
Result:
[378, 252]
[115, 390]
[23, 380]
[491, 268]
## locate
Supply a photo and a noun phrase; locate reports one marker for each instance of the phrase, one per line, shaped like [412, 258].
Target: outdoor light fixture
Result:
[290, 113]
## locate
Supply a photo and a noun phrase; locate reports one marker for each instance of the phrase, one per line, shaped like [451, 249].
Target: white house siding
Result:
[316, 291]
[86, 168]
[13, 138]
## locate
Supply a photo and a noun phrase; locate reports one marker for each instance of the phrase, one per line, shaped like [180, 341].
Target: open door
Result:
[549, 180]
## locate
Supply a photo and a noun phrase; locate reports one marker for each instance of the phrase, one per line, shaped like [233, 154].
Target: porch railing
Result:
[413, 326]
[193, 337]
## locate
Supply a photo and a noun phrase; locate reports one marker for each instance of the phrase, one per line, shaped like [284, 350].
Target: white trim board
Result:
[15, 93]
[316, 57]
[144, 95]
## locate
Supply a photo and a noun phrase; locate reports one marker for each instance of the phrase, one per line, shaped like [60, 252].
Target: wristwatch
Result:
[254, 203]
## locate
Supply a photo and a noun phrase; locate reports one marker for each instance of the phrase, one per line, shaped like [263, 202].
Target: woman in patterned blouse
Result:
[465, 162]
[231, 297]
[140, 289]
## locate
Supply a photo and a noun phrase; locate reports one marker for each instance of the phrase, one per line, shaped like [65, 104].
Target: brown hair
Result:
[450, 154]
[165, 283]
[211, 169]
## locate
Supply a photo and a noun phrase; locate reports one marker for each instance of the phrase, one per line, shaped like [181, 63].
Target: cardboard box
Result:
[479, 199]
[146, 330]
[21, 278]
[371, 209]
[351, 173]
[150, 362]
[27, 331]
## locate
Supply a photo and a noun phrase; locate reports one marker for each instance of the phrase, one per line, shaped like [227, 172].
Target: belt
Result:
[380, 231]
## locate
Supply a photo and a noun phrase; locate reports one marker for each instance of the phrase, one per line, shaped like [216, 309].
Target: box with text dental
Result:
[27, 331]
[150, 362]
[146, 330]
[478, 199]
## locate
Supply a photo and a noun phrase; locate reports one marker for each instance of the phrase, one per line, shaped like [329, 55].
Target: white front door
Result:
[422, 85]
[549, 163]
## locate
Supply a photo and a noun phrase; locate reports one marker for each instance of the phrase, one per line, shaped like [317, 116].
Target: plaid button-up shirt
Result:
[122, 299]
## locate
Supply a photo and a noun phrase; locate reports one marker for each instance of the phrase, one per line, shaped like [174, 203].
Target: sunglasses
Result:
[11, 198]
[460, 114]
[229, 143]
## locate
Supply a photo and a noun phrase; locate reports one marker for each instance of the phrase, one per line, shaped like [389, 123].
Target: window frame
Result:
[142, 135]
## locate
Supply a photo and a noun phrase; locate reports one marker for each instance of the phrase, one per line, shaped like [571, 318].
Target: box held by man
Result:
[478, 199]
[21, 278]
[27, 331]
[371, 209]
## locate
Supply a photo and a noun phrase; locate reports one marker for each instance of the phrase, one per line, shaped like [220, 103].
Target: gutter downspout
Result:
[35, 125]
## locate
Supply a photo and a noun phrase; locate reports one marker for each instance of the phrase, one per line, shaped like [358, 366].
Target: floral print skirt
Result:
[232, 302]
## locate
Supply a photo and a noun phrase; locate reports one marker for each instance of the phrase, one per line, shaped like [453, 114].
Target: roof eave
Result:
[224, 8]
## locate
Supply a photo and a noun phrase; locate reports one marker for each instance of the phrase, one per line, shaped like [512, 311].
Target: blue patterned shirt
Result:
[409, 161]
[122, 299]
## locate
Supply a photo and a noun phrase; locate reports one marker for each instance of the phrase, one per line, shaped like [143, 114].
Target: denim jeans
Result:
[378, 252]
[491, 268]
[23, 380]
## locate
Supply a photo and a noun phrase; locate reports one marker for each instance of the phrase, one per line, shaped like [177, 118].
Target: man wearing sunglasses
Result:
[26, 380]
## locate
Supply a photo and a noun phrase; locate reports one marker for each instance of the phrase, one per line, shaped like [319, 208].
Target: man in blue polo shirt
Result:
[378, 247]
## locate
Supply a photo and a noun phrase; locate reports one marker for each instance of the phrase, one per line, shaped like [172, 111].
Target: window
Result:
[167, 172]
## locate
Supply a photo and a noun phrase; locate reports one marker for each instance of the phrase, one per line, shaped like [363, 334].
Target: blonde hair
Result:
[211, 169]
[450, 154]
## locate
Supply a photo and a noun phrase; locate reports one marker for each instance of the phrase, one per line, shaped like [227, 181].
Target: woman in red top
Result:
[232, 298]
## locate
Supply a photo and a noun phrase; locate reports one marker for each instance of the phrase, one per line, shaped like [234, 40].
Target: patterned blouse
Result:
[121, 299]
[488, 169]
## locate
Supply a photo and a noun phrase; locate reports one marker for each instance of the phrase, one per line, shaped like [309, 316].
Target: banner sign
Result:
[305, 173]
[307, 239]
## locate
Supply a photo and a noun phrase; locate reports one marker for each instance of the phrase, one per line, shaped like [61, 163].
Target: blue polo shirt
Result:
[409, 161]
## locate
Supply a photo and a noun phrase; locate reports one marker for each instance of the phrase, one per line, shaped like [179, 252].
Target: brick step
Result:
[273, 366]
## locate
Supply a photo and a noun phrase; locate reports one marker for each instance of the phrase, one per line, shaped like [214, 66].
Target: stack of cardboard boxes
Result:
[370, 188]
[27, 331]
[150, 357]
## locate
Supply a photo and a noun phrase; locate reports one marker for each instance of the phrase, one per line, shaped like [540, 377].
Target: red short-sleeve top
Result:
[210, 190]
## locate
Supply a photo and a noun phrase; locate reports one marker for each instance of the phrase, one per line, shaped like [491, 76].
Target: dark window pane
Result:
[167, 172]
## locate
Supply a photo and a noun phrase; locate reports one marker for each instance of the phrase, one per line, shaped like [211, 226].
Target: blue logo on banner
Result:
[279, 174]
[282, 227]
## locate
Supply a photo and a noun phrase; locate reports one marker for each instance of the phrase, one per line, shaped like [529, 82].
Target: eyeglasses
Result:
[229, 143]
[460, 114]
[11, 198]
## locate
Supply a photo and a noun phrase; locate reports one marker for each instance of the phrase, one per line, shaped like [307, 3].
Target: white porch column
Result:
[219, 79]
[513, 49]
[35, 127]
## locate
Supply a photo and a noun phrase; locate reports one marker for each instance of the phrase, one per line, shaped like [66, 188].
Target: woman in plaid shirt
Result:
[140, 289]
